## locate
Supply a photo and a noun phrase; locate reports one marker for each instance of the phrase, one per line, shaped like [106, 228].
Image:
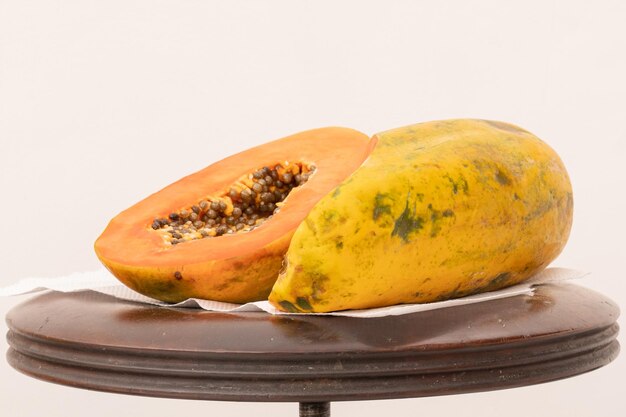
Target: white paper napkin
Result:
[103, 282]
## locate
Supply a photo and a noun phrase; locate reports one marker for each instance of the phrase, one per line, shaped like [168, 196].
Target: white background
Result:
[104, 102]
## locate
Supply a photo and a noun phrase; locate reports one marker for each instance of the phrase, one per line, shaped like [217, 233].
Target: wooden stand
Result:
[314, 409]
[89, 340]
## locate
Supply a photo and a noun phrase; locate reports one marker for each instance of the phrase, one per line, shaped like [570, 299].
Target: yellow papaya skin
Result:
[439, 210]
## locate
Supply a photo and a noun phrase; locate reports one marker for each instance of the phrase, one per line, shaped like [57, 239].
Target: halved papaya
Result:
[221, 233]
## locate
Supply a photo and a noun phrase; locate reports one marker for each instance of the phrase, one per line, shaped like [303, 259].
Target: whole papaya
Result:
[439, 210]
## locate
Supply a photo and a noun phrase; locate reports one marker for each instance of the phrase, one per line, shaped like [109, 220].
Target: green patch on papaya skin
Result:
[329, 216]
[336, 193]
[311, 225]
[380, 207]
[541, 209]
[229, 283]
[499, 279]
[222, 286]
[455, 293]
[167, 291]
[436, 218]
[459, 184]
[304, 304]
[329, 220]
[318, 286]
[159, 287]
[287, 306]
[407, 223]
[502, 178]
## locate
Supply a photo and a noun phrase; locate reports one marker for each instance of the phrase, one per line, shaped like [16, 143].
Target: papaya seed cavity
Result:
[245, 205]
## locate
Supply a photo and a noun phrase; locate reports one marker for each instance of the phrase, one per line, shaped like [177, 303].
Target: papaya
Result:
[222, 232]
[438, 210]
[329, 219]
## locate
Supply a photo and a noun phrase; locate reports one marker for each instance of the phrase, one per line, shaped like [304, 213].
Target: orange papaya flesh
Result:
[155, 248]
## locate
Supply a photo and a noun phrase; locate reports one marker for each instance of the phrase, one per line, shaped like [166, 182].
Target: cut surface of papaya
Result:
[221, 233]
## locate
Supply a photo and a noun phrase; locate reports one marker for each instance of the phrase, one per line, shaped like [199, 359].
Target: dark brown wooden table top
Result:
[93, 341]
